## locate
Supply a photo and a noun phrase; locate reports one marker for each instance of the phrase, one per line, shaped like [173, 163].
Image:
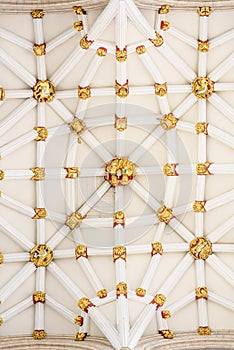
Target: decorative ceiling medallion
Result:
[199, 206]
[164, 9]
[77, 127]
[119, 219]
[80, 336]
[84, 303]
[84, 92]
[158, 41]
[170, 169]
[74, 220]
[39, 174]
[102, 293]
[140, 292]
[85, 43]
[166, 314]
[203, 46]
[168, 121]
[2, 175]
[119, 252]
[120, 171]
[78, 26]
[1, 321]
[39, 50]
[201, 128]
[37, 13]
[156, 248]
[202, 87]
[201, 293]
[140, 50]
[41, 255]
[121, 55]
[79, 320]
[200, 248]
[121, 124]
[203, 168]
[167, 333]
[121, 90]
[160, 89]
[204, 331]
[78, 10]
[72, 173]
[2, 94]
[44, 91]
[39, 297]
[1, 259]
[159, 299]
[40, 213]
[204, 11]
[164, 214]
[81, 251]
[101, 51]
[165, 25]
[121, 288]
[39, 334]
[42, 133]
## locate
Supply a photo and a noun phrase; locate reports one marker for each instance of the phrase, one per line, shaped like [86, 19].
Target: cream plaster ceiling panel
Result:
[116, 173]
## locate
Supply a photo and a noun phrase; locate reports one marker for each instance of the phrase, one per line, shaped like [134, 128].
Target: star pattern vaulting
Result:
[120, 171]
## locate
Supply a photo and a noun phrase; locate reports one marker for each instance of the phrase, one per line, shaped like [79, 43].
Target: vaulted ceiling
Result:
[116, 173]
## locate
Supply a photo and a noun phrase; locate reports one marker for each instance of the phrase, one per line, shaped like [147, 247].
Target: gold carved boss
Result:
[81, 251]
[140, 292]
[168, 121]
[120, 171]
[202, 87]
[204, 331]
[203, 168]
[121, 123]
[159, 299]
[121, 90]
[41, 255]
[2, 94]
[158, 41]
[121, 55]
[84, 303]
[200, 248]
[85, 43]
[160, 89]
[39, 50]
[169, 169]
[121, 288]
[119, 252]
[201, 292]
[44, 91]
[37, 13]
[39, 334]
[156, 248]
[39, 297]
[164, 214]
[119, 218]
[74, 220]
[42, 133]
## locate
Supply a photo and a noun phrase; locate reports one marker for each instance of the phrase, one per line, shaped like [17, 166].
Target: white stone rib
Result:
[139, 20]
[16, 68]
[39, 39]
[16, 235]
[82, 107]
[187, 39]
[60, 39]
[201, 303]
[183, 107]
[223, 87]
[21, 93]
[150, 272]
[68, 65]
[152, 68]
[16, 39]
[177, 62]
[221, 39]
[57, 238]
[181, 303]
[218, 201]
[13, 117]
[62, 94]
[39, 316]
[90, 274]
[222, 269]
[181, 229]
[178, 88]
[85, 327]
[96, 196]
[20, 141]
[15, 282]
[91, 71]
[16, 205]
[222, 169]
[222, 68]
[223, 248]
[83, 18]
[221, 135]
[185, 126]
[61, 309]
[146, 196]
[221, 230]
[61, 110]
[221, 301]
[148, 313]
[96, 146]
[104, 325]
[17, 309]
[146, 144]
[222, 106]
[16, 257]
